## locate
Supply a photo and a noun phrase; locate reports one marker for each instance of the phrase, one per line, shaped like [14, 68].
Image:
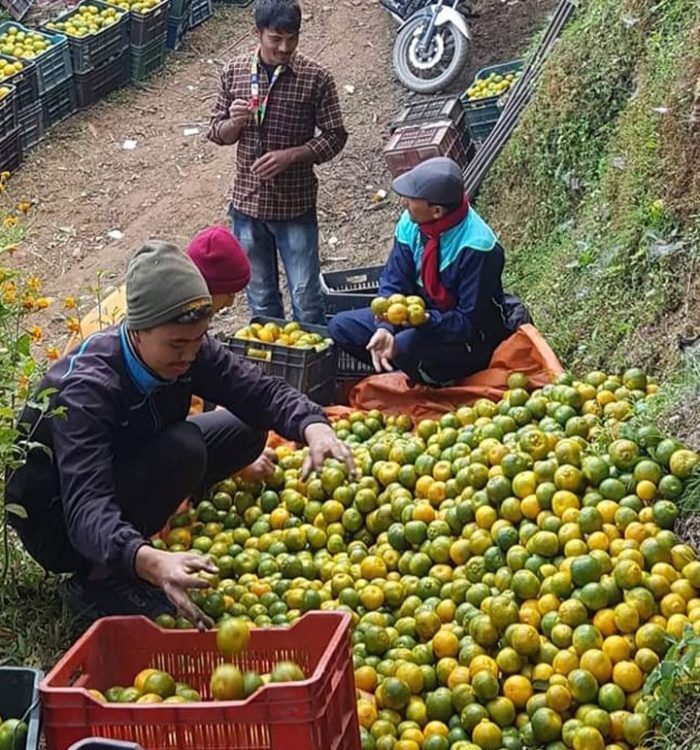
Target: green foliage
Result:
[672, 691]
[593, 195]
[19, 373]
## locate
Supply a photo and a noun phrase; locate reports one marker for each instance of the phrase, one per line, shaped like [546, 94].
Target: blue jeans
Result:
[296, 241]
[418, 354]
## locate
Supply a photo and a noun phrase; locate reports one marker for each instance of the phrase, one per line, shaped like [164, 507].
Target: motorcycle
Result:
[432, 43]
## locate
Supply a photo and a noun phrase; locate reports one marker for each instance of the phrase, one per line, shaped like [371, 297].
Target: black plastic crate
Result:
[18, 9]
[200, 11]
[176, 32]
[98, 83]
[309, 371]
[482, 118]
[93, 50]
[351, 368]
[145, 28]
[31, 126]
[349, 289]
[8, 109]
[25, 81]
[10, 155]
[19, 699]
[180, 9]
[53, 66]
[143, 61]
[431, 110]
[59, 103]
[236, 3]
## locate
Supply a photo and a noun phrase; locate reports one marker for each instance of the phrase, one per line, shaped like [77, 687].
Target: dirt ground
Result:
[86, 185]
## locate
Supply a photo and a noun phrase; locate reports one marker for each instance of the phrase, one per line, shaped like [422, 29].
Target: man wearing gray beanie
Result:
[124, 454]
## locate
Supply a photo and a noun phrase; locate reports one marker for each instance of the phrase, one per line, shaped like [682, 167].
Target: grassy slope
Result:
[600, 178]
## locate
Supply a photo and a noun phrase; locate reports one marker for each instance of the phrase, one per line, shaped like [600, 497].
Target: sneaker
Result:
[114, 596]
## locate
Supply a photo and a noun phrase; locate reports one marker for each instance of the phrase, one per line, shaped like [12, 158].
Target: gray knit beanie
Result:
[162, 283]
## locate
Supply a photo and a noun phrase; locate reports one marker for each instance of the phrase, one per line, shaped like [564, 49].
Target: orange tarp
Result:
[525, 351]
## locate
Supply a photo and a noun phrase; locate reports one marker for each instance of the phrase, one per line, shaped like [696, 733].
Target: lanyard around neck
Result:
[258, 106]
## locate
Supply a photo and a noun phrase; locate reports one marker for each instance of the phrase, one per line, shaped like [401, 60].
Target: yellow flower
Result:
[2, 187]
[52, 353]
[42, 303]
[34, 283]
[4, 176]
[70, 303]
[24, 206]
[35, 332]
[9, 293]
[10, 222]
[28, 302]
[73, 325]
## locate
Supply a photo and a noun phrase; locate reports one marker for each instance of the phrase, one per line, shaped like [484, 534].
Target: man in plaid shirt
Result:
[282, 110]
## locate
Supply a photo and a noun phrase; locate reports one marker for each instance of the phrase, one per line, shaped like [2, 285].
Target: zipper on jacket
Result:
[154, 413]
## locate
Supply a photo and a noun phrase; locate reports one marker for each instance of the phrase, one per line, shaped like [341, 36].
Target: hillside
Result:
[596, 196]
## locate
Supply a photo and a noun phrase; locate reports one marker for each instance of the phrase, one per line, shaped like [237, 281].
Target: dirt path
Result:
[171, 185]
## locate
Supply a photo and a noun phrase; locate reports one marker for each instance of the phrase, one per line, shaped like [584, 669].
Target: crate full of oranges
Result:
[400, 310]
[284, 334]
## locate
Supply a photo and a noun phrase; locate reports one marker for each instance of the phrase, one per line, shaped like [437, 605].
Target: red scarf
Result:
[430, 264]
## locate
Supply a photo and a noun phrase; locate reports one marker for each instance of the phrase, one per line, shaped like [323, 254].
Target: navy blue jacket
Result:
[471, 264]
[112, 403]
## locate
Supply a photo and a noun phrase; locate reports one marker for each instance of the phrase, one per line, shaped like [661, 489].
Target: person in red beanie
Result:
[221, 260]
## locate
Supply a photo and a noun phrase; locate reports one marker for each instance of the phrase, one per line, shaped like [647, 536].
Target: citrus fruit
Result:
[158, 683]
[232, 636]
[226, 683]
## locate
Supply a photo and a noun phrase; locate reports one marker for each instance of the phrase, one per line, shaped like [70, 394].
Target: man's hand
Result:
[323, 444]
[271, 164]
[261, 469]
[239, 113]
[382, 347]
[175, 573]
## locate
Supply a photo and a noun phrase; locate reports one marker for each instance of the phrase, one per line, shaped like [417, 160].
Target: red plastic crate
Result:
[316, 714]
[409, 146]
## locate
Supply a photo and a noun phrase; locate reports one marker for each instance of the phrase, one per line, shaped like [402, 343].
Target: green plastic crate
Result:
[482, 114]
[19, 699]
[143, 61]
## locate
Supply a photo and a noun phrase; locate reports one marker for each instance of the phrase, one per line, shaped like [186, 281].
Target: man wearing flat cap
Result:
[124, 454]
[445, 253]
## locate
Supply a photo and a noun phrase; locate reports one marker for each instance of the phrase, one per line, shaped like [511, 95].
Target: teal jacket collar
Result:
[142, 377]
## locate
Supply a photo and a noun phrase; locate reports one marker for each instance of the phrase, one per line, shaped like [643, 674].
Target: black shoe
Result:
[114, 596]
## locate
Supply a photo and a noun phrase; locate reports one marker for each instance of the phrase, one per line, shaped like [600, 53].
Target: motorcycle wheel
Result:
[419, 74]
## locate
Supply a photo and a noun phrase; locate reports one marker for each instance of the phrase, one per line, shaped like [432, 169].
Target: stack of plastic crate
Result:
[178, 23]
[147, 37]
[100, 59]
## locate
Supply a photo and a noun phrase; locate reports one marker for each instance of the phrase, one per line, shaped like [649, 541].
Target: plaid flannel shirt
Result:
[303, 108]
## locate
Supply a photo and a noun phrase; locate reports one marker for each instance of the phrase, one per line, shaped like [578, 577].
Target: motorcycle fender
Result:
[422, 13]
[450, 15]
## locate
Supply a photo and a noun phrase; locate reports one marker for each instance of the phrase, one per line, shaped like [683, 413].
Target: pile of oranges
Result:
[511, 568]
[400, 310]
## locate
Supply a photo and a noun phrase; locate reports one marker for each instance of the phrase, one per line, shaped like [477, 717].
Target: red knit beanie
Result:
[220, 259]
